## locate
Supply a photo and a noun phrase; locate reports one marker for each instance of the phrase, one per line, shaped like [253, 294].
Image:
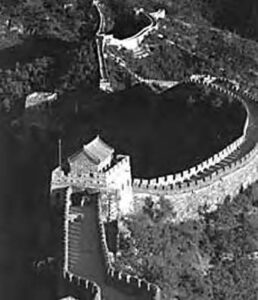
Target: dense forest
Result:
[55, 52]
[235, 15]
[187, 42]
[76, 62]
[206, 259]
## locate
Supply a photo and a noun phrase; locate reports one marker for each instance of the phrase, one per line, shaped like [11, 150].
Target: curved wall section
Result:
[186, 199]
[180, 177]
[211, 181]
[187, 174]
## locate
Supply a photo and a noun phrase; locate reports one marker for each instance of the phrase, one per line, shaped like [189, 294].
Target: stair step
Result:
[76, 209]
[75, 229]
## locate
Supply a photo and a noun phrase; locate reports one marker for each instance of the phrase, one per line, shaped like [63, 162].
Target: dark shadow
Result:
[31, 49]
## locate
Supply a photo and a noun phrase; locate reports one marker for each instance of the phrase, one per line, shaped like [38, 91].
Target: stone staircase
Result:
[75, 237]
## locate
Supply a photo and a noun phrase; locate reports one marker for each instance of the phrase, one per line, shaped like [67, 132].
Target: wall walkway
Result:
[229, 158]
[100, 41]
[87, 256]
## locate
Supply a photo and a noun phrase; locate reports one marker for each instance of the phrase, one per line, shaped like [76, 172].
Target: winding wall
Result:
[212, 180]
[100, 42]
[207, 183]
[87, 270]
[133, 42]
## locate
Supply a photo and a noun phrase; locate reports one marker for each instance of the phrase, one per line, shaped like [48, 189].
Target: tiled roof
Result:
[96, 152]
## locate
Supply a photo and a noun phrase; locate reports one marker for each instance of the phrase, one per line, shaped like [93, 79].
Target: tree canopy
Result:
[207, 258]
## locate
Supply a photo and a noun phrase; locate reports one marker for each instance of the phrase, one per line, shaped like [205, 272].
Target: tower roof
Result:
[96, 152]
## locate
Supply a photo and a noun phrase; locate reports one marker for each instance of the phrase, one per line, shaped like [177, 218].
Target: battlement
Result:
[132, 285]
[121, 161]
[169, 182]
[102, 236]
[119, 280]
[89, 290]
[86, 179]
[185, 181]
[66, 230]
[183, 187]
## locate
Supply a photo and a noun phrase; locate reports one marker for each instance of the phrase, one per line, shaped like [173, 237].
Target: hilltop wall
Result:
[213, 187]
[119, 178]
[133, 42]
[180, 177]
[126, 283]
[132, 285]
[72, 284]
[187, 198]
[81, 288]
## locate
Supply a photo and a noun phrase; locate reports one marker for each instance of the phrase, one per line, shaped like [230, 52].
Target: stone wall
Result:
[186, 174]
[118, 279]
[187, 197]
[134, 41]
[119, 178]
[85, 179]
[66, 230]
[172, 179]
[102, 236]
[116, 178]
[186, 200]
[81, 287]
[133, 285]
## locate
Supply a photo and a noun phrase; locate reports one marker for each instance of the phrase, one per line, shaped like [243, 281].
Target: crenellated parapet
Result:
[219, 176]
[179, 178]
[85, 207]
[102, 236]
[133, 285]
[87, 178]
[141, 185]
[81, 287]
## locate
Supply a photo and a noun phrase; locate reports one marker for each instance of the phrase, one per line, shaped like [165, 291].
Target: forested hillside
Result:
[191, 40]
[207, 259]
[235, 15]
[45, 46]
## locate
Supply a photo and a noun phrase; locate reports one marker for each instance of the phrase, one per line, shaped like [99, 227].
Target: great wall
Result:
[87, 268]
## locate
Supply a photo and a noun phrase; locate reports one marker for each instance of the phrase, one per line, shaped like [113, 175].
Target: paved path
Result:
[85, 257]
